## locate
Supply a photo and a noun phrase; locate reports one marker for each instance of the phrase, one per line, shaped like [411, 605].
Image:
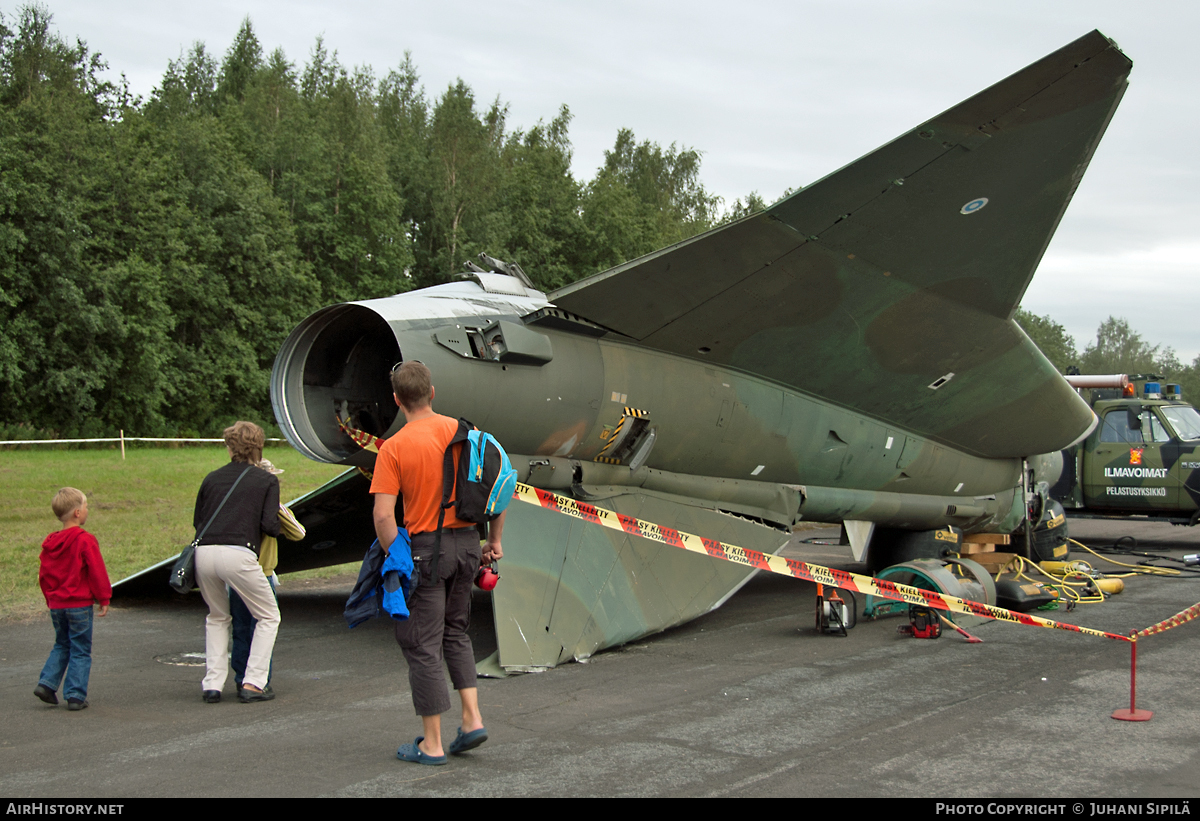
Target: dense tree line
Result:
[154, 253]
[1117, 348]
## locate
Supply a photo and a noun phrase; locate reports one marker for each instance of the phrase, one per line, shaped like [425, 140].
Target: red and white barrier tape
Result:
[1182, 617]
[790, 567]
[787, 567]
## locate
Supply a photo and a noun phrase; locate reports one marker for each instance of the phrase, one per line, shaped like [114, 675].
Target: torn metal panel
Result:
[571, 588]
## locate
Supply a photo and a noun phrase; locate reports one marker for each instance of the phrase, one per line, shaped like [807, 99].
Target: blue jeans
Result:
[243, 634]
[72, 653]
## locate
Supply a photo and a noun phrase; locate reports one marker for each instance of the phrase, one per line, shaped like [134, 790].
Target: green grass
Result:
[139, 509]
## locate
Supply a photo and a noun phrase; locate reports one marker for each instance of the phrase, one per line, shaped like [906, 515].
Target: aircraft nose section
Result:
[333, 366]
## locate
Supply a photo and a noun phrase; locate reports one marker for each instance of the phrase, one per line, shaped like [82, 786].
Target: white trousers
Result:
[218, 565]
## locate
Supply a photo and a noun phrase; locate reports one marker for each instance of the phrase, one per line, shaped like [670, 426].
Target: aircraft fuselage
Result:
[600, 409]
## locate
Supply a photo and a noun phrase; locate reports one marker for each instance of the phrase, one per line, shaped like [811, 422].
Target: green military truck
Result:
[1141, 459]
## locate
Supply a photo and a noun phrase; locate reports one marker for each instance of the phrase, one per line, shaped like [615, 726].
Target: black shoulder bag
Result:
[183, 573]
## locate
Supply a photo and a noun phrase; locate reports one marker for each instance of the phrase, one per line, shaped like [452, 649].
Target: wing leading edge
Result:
[888, 286]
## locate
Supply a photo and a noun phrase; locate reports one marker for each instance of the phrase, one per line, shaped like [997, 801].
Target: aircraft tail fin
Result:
[888, 286]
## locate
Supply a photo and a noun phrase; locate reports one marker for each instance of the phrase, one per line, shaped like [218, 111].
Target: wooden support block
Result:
[993, 562]
[987, 538]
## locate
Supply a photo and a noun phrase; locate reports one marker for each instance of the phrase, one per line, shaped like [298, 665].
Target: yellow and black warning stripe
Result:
[612, 437]
[627, 413]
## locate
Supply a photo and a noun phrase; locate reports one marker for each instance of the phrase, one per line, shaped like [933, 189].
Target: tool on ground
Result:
[970, 639]
[923, 623]
[833, 616]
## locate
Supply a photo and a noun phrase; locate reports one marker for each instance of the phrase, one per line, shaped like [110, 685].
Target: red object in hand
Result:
[486, 578]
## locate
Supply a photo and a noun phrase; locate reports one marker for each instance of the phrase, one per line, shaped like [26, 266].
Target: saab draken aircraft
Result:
[847, 355]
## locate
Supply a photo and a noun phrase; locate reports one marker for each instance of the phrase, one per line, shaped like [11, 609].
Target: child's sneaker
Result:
[45, 694]
[75, 704]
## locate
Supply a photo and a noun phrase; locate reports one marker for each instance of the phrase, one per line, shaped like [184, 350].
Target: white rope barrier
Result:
[122, 439]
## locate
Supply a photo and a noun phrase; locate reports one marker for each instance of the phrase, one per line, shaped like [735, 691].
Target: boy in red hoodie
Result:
[72, 576]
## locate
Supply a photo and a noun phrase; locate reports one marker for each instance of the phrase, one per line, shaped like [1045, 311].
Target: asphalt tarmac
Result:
[746, 701]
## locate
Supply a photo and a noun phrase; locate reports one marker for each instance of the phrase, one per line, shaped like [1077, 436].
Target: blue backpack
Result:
[485, 480]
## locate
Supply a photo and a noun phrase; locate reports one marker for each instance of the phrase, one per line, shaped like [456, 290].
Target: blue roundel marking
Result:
[973, 206]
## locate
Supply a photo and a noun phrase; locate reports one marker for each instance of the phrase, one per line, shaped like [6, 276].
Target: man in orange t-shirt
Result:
[409, 465]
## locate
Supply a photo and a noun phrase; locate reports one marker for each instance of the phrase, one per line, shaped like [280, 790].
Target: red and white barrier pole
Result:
[1133, 713]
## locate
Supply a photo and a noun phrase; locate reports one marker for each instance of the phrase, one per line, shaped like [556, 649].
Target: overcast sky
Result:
[775, 95]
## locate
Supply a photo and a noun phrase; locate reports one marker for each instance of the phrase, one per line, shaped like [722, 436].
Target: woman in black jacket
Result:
[239, 502]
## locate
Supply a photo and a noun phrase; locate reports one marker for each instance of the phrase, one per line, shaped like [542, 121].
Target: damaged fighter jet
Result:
[847, 355]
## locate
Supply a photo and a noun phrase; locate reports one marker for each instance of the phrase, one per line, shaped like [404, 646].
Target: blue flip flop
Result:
[468, 741]
[412, 752]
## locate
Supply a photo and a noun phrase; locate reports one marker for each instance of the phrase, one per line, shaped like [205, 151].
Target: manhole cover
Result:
[182, 659]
